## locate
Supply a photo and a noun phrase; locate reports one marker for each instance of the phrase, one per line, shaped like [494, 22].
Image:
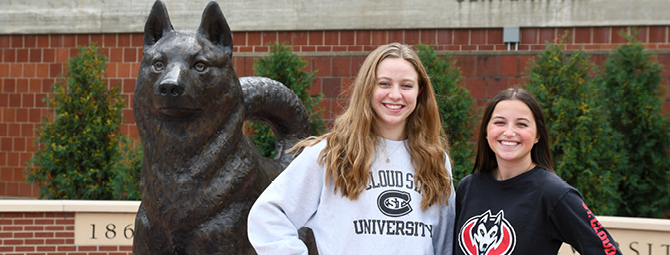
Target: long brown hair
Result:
[351, 143]
[541, 151]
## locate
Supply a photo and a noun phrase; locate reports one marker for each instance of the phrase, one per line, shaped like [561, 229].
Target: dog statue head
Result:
[186, 78]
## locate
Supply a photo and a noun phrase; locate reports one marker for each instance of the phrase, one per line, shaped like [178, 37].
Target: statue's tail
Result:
[270, 101]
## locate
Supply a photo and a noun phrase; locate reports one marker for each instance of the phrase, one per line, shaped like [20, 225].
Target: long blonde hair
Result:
[351, 143]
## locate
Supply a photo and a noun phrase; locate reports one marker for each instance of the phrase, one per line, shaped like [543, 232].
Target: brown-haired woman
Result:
[513, 202]
[378, 183]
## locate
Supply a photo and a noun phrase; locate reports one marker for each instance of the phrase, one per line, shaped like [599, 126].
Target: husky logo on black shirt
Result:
[487, 234]
[394, 203]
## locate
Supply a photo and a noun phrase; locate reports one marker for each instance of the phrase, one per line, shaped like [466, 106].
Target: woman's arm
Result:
[444, 239]
[286, 205]
[578, 226]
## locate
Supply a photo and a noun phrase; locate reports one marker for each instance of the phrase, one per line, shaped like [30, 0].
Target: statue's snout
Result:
[170, 86]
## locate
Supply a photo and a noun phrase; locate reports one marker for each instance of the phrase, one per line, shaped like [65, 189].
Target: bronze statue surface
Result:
[200, 174]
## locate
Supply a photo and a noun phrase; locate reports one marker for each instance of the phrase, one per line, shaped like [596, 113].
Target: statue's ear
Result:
[214, 27]
[158, 24]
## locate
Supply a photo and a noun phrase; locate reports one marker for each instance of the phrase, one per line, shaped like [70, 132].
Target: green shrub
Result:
[586, 151]
[284, 66]
[455, 108]
[78, 148]
[634, 85]
[126, 181]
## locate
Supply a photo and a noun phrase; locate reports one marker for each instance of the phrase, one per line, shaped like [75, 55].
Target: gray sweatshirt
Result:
[385, 219]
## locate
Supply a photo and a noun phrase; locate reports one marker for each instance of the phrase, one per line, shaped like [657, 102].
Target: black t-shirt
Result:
[532, 213]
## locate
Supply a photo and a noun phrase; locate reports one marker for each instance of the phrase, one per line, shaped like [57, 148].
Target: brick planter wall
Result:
[39, 233]
[49, 227]
[30, 64]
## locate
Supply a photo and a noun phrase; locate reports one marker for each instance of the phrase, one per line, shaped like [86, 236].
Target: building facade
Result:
[37, 38]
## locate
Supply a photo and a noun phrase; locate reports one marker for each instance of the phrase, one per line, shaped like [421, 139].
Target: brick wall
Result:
[40, 231]
[46, 233]
[30, 64]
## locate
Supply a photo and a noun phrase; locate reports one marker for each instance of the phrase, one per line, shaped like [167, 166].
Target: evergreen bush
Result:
[634, 95]
[126, 179]
[586, 151]
[284, 66]
[455, 106]
[78, 148]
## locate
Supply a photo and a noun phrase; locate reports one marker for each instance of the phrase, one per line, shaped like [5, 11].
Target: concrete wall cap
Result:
[68, 206]
[632, 223]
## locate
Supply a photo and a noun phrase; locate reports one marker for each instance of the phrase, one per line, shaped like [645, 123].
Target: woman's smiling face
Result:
[511, 132]
[394, 96]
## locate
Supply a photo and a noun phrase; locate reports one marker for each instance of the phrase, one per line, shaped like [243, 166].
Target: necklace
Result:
[388, 156]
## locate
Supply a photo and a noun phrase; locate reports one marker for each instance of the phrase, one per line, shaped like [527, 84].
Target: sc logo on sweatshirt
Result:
[394, 203]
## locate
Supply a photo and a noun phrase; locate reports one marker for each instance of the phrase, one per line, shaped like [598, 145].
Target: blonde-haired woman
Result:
[378, 183]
